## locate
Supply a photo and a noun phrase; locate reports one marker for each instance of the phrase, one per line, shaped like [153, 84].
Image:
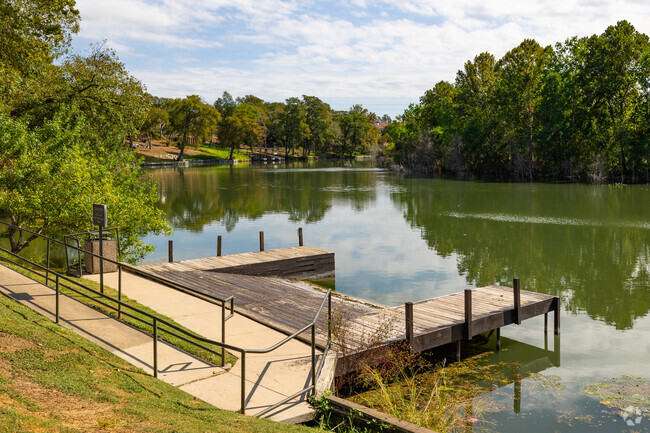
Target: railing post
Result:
[261, 241]
[223, 333]
[408, 308]
[170, 251]
[468, 314]
[47, 263]
[119, 291]
[300, 236]
[313, 356]
[155, 347]
[101, 261]
[329, 316]
[243, 382]
[57, 299]
[219, 246]
[517, 295]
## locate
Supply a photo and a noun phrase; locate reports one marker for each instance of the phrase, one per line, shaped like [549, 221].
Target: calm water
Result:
[402, 239]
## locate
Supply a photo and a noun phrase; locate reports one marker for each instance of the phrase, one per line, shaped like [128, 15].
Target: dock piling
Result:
[261, 241]
[517, 293]
[556, 316]
[468, 314]
[300, 236]
[498, 338]
[219, 246]
[170, 251]
[408, 308]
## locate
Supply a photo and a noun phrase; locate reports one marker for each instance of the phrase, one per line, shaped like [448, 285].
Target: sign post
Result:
[100, 217]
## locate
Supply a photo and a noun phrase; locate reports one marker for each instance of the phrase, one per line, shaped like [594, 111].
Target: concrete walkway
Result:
[269, 377]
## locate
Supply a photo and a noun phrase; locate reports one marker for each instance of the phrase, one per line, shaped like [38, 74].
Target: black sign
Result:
[100, 216]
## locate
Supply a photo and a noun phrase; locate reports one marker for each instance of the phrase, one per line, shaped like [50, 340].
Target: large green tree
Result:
[192, 118]
[63, 122]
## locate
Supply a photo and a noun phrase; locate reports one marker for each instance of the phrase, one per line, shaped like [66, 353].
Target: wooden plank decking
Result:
[290, 305]
[294, 262]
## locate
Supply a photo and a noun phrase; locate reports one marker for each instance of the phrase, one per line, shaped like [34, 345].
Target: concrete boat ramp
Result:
[266, 310]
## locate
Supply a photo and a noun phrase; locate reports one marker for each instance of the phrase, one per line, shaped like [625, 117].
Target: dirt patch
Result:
[71, 411]
[161, 150]
[10, 343]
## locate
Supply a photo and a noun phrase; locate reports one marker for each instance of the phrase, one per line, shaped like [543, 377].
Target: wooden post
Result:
[458, 350]
[261, 241]
[556, 316]
[545, 323]
[300, 236]
[171, 251]
[218, 246]
[517, 293]
[468, 314]
[498, 338]
[408, 308]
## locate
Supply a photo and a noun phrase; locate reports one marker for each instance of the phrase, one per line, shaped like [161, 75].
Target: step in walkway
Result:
[270, 377]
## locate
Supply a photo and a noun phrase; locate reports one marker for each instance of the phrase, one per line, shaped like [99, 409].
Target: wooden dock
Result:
[288, 305]
[294, 262]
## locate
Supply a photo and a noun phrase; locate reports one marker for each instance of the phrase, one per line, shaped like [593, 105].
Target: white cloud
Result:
[276, 49]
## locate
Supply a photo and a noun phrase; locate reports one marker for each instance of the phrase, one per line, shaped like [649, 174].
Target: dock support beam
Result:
[408, 308]
[498, 338]
[261, 241]
[170, 252]
[218, 246]
[458, 344]
[517, 294]
[556, 316]
[468, 314]
[300, 236]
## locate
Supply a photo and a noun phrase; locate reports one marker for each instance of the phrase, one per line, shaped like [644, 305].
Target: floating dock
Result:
[287, 305]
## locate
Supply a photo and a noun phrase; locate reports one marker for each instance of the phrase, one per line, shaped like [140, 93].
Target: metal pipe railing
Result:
[157, 321]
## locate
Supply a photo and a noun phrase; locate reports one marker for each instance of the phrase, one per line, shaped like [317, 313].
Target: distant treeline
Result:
[302, 125]
[578, 111]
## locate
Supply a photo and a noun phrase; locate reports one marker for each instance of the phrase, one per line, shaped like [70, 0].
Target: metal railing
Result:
[157, 322]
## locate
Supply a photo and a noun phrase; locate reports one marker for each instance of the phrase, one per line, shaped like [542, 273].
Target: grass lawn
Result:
[52, 380]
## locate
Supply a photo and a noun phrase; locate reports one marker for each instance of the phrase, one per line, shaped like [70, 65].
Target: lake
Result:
[401, 239]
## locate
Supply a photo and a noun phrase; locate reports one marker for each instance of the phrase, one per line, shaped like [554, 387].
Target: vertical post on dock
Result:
[170, 251]
[219, 246]
[261, 241]
[408, 308]
[556, 316]
[498, 338]
[300, 236]
[468, 314]
[517, 293]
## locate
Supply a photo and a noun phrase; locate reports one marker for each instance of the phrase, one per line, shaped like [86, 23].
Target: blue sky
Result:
[383, 54]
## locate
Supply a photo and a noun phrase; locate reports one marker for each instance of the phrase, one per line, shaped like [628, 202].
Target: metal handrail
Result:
[315, 372]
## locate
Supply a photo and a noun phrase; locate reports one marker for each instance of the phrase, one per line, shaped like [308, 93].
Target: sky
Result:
[383, 54]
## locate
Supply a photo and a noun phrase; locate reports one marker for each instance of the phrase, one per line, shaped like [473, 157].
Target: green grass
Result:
[52, 380]
[93, 299]
[209, 152]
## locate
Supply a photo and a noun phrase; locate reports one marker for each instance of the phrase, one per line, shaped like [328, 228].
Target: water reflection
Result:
[588, 245]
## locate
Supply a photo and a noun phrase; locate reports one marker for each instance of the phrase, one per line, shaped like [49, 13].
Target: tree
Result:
[611, 84]
[34, 33]
[357, 130]
[241, 127]
[520, 74]
[49, 179]
[155, 119]
[318, 116]
[294, 125]
[190, 117]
